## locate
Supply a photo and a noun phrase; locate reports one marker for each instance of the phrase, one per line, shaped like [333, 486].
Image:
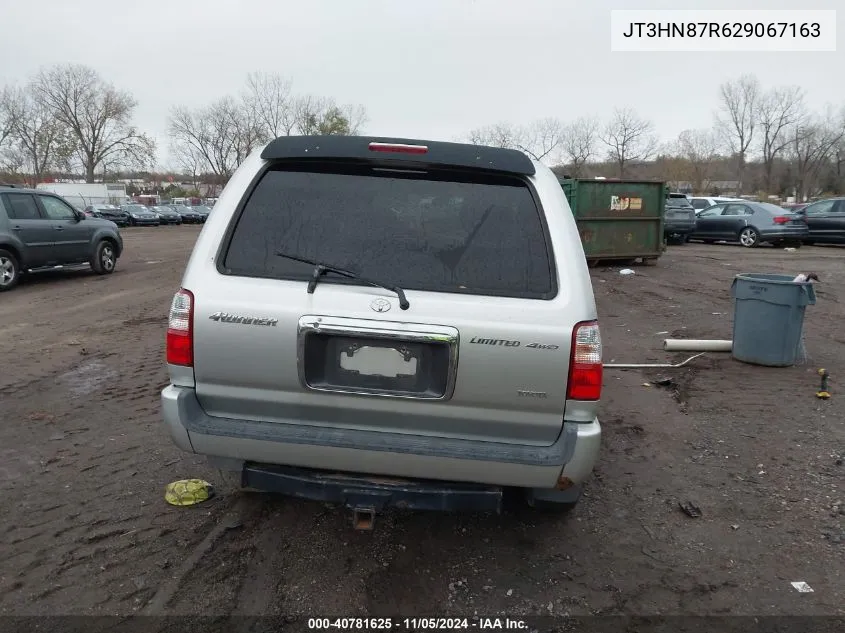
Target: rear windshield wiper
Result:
[321, 269]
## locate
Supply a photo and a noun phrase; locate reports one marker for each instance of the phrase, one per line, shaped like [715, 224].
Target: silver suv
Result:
[381, 322]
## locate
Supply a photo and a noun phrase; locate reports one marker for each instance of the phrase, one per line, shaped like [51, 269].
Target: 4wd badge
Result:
[624, 203]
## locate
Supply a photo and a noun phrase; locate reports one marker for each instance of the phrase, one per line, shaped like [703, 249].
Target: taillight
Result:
[180, 330]
[585, 366]
[398, 148]
[782, 220]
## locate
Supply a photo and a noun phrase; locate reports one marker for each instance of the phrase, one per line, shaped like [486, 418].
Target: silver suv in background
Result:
[381, 322]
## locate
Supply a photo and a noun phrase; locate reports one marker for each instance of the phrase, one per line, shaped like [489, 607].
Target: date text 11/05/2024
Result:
[416, 624]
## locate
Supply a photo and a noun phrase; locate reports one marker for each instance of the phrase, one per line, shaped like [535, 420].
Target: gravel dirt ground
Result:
[84, 459]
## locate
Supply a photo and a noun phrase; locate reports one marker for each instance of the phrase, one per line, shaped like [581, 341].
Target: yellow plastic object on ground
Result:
[823, 393]
[188, 492]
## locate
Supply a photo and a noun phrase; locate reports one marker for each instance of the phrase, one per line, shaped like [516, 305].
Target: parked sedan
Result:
[139, 215]
[699, 203]
[107, 212]
[188, 215]
[750, 224]
[202, 211]
[825, 220]
[167, 215]
[678, 218]
[795, 207]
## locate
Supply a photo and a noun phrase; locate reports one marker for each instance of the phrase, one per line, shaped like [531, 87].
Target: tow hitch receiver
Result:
[367, 495]
[363, 518]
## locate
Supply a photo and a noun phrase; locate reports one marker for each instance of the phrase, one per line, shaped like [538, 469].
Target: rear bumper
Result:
[372, 492]
[416, 457]
[784, 234]
[682, 227]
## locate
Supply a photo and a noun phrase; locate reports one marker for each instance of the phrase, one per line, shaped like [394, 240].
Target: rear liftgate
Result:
[381, 359]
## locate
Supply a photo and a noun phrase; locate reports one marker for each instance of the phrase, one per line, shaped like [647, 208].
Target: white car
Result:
[699, 203]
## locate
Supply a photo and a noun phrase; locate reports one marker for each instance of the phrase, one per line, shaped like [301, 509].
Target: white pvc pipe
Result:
[696, 345]
[650, 365]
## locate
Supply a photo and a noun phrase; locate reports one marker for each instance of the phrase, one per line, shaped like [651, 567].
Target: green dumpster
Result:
[618, 219]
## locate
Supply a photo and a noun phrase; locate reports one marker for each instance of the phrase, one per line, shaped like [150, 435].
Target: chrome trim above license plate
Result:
[385, 330]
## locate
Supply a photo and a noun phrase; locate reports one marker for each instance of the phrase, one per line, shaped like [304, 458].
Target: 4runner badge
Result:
[380, 305]
[225, 317]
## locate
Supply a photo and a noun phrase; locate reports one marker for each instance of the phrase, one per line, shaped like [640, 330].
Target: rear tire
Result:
[10, 270]
[104, 260]
[749, 237]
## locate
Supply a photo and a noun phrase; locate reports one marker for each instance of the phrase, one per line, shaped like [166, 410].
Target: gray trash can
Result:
[769, 318]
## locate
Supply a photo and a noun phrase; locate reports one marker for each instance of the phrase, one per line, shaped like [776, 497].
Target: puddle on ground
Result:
[87, 378]
[15, 465]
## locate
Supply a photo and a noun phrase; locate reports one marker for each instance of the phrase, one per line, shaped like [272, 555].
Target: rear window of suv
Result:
[439, 231]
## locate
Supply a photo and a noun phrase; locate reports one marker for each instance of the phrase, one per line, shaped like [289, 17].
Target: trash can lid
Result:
[767, 278]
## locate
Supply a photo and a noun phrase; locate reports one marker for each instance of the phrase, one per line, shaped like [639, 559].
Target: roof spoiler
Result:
[399, 150]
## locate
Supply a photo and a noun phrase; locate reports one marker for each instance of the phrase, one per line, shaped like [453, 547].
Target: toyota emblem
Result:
[380, 305]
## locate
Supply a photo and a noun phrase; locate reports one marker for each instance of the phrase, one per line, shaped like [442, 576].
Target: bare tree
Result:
[541, 139]
[737, 118]
[839, 155]
[779, 109]
[13, 162]
[6, 119]
[578, 143]
[671, 167]
[356, 117]
[497, 135]
[322, 115]
[699, 151]
[269, 98]
[812, 144]
[222, 135]
[98, 115]
[629, 138]
[189, 160]
[42, 138]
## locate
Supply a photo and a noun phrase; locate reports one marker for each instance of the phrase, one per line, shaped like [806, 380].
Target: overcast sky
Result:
[423, 68]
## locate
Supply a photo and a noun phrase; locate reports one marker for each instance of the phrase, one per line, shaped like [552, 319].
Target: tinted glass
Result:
[770, 208]
[712, 211]
[22, 206]
[820, 208]
[435, 231]
[700, 203]
[56, 209]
